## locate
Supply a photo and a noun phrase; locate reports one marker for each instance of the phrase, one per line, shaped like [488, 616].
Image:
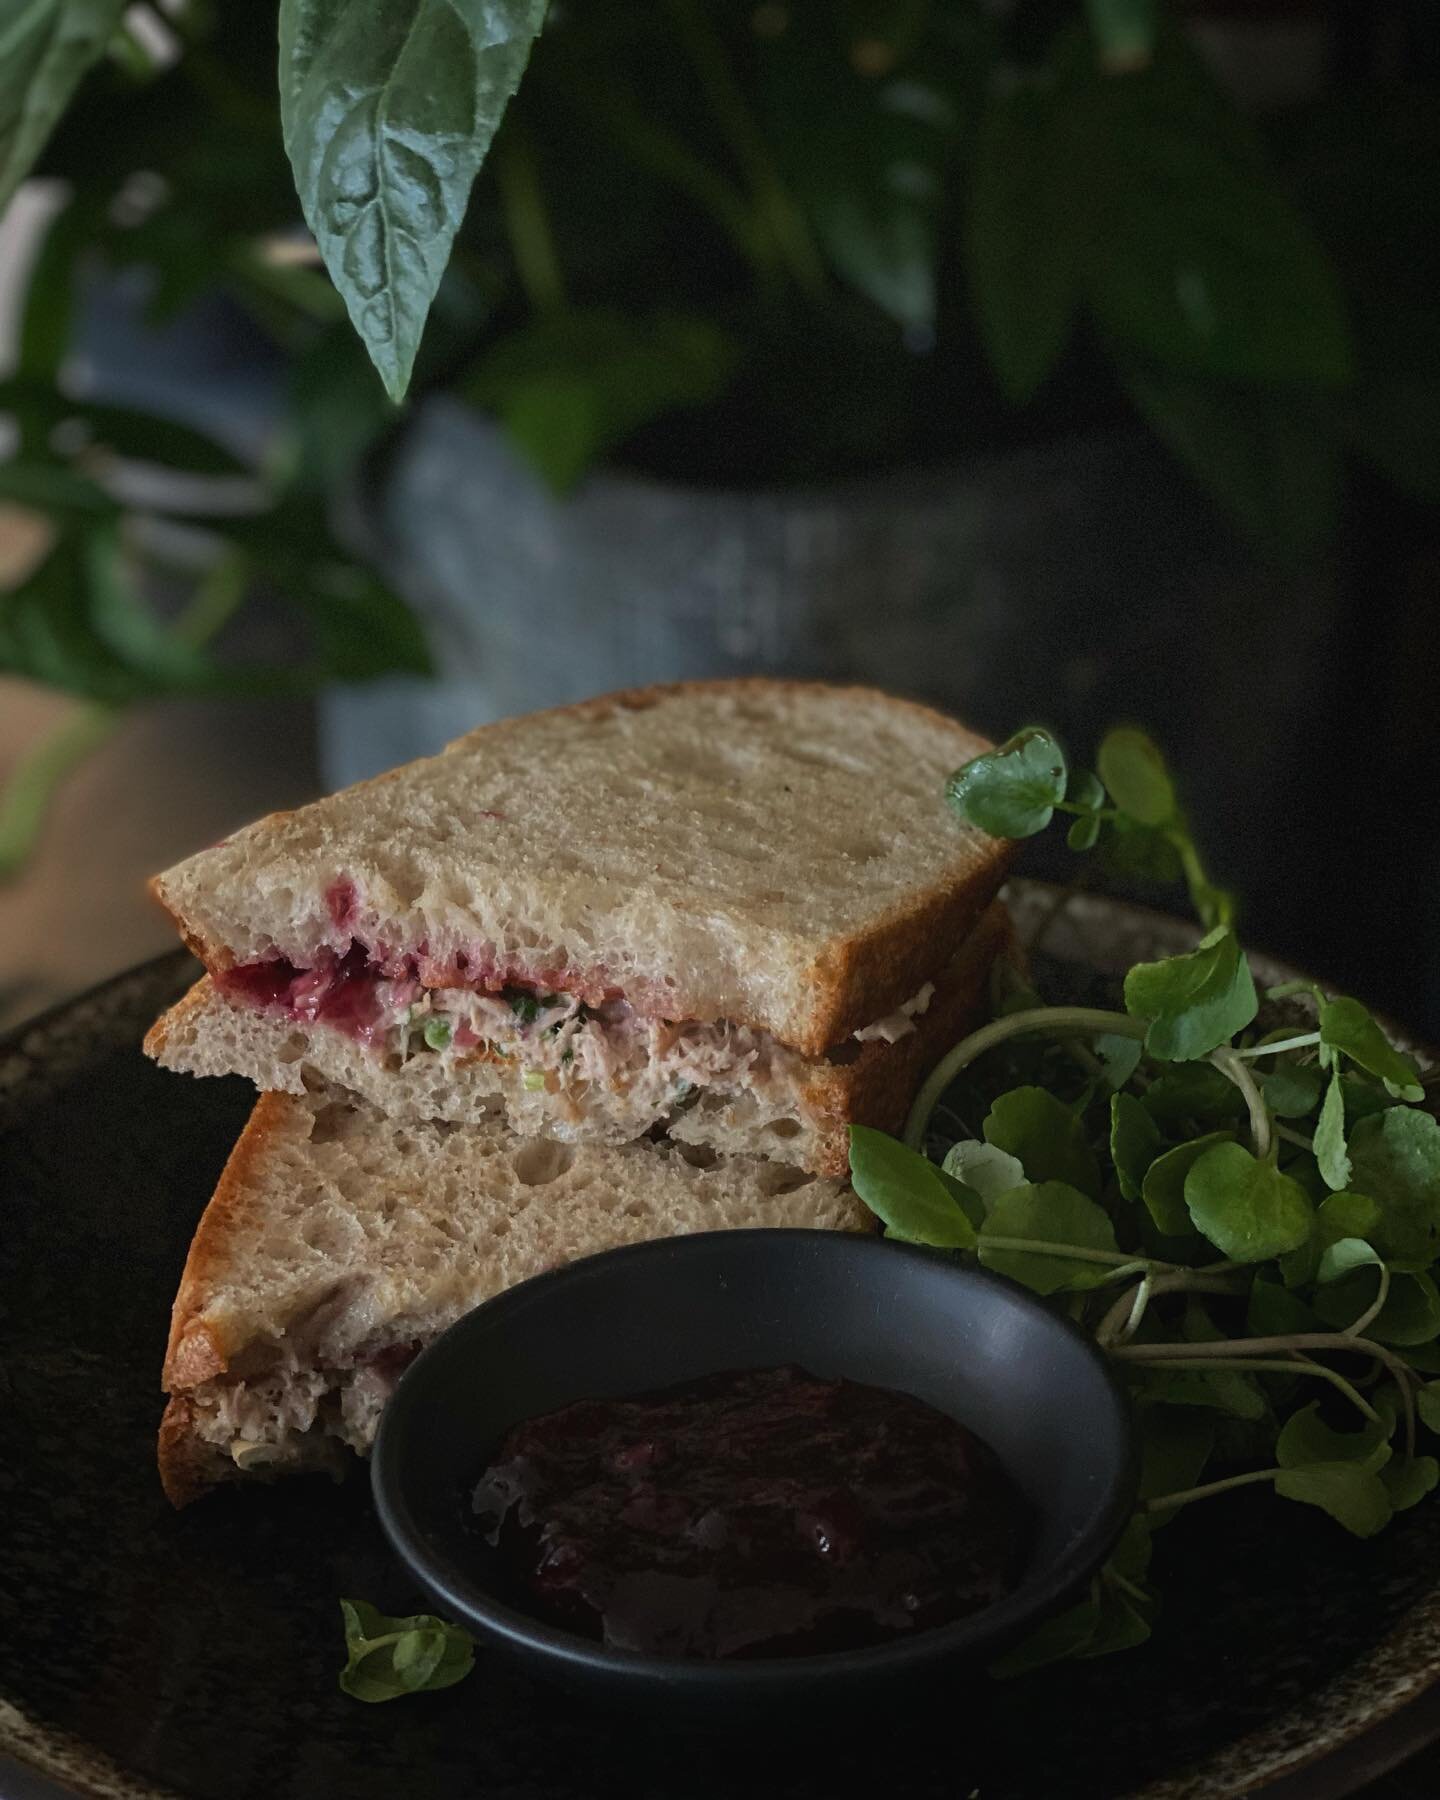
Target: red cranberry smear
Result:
[758, 1513]
[342, 902]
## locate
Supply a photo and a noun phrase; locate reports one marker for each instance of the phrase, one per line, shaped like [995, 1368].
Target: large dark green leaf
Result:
[388, 108]
[572, 385]
[1023, 235]
[45, 48]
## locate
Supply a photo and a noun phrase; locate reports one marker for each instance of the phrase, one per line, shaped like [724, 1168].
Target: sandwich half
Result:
[740, 911]
[339, 1243]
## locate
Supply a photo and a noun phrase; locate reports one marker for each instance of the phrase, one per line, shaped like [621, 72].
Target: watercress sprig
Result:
[389, 1658]
[1247, 1219]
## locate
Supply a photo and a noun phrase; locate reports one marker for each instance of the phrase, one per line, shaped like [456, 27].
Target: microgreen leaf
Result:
[1273, 1311]
[1134, 771]
[1408, 1479]
[1329, 1141]
[1410, 1315]
[1048, 1212]
[1427, 1404]
[1175, 1445]
[1195, 1002]
[1083, 833]
[1343, 1256]
[388, 1658]
[916, 1200]
[985, 1169]
[1135, 1142]
[1306, 1438]
[1191, 1094]
[1163, 1187]
[1247, 1208]
[1395, 1159]
[1012, 792]
[1346, 1216]
[1293, 1090]
[1229, 1391]
[1346, 1026]
[1351, 1495]
[1121, 1626]
[1120, 1057]
[1064, 1636]
[1045, 1135]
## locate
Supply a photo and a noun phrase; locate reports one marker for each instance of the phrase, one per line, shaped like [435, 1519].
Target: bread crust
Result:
[188, 1466]
[852, 978]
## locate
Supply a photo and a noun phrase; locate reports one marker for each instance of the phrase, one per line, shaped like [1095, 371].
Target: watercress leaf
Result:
[1363, 1097]
[1424, 1357]
[1085, 789]
[1175, 1445]
[1344, 1255]
[1351, 1495]
[1125, 31]
[1135, 1143]
[1346, 1026]
[1306, 1438]
[1329, 1140]
[1121, 1626]
[1273, 1311]
[416, 1656]
[1064, 1636]
[914, 1198]
[1247, 1209]
[1011, 792]
[1022, 235]
[1195, 1002]
[1297, 1267]
[1045, 1136]
[1395, 1159]
[1083, 833]
[388, 108]
[1120, 1057]
[1163, 1186]
[1192, 1094]
[1292, 1090]
[1143, 852]
[388, 1658]
[1346, 1216]
[1410, 1315]
[1228, 1391]
[1048, 1212]
[985, 1169]
[45, 49]
[1427, 1404]
[1408, 1479]
[1131, 1555]
[1134, 771]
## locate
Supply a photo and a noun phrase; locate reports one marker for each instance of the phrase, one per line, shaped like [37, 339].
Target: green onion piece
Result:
[534, 1080]
[438, 1032]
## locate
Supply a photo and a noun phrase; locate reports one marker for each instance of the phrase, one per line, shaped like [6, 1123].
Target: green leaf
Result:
[1134, 771]
[1135, 1142]
[1427, 1404]
[1191, 252]
[1306, 1438]
[1140, 852]
[1175, 1445]
[1163, 1188]
[1121, 1625]
[1190, 1094]
[1329, 1141]
[1410, 1315]
[1346, 1026]
[1273, 1311]
[389, 1658]
[1058, 1639]
[1045, 1136]
[1293, 1090]
[1120, 1057]
[46, 47]
[388, 108]
[1344, 1256]
[1270, 456]
[1048, 1212]
[1195, 1002]
[914, 1198]
[1353, 1497]
[984, 1169]
[1395, 1159]
[1022, 236]
[1011, 792]
[570, 386]
[1083, 833]
[1247, 1209]
[1408, 1479]
[1125, 31]
[1228, 1391]
[1346, 1216]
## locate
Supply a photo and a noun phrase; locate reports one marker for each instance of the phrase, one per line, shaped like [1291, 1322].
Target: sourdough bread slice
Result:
[776, 854]
[767, 1100]
[338, 1243]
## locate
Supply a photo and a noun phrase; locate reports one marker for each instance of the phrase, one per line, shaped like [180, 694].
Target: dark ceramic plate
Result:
[145, 1654]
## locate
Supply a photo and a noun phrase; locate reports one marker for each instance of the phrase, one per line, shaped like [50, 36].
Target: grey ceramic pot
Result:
[1075, 583]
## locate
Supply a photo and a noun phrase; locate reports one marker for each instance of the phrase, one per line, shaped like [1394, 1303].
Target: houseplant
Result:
[751, 249]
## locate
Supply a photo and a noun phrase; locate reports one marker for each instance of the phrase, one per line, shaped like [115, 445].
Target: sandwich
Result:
[738, 915]
[339, 1243]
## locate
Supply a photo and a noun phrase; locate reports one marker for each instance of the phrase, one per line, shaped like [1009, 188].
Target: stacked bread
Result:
[601, 974]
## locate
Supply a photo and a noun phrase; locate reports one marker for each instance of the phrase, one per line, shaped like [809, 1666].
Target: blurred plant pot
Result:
[1072, 582]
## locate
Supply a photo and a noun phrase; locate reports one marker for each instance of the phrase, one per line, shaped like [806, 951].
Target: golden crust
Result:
[195, 1351]
[188, 1466]
[853, 979]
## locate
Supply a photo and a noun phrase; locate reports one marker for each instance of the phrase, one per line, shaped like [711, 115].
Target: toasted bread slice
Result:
[338, 1243]
[771, 1102]
[776, 854]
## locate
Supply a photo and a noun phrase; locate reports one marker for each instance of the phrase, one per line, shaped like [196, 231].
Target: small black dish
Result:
[976, 1346]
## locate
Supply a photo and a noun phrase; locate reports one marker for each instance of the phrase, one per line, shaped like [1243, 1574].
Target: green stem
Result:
[1298, 1138]
[1183, 1496]
[1291, 1043]
[27, 795]
[1229, 1065]
[1057, 1020]
[527, 219]
[1372, 1312]
[1039, 1247]
[1258, 1365]
[1154, 1286]
[217, 594]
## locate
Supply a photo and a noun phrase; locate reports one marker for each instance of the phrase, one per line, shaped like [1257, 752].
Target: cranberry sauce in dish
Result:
[757, 1513]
